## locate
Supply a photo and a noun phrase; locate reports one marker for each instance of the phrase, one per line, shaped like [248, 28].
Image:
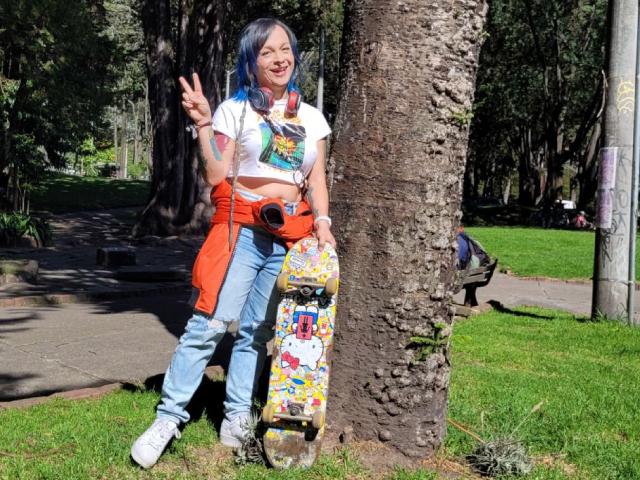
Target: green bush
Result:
[93, 158]
[137, 171]
[14, 226]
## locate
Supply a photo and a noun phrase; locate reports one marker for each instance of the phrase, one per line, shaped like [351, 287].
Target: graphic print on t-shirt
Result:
[283, 149]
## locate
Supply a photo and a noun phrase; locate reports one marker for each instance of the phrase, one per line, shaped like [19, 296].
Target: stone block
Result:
[115, 256]
[17, 271]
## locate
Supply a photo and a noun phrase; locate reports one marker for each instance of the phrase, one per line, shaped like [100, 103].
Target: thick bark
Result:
[179, 197]
[408, 73]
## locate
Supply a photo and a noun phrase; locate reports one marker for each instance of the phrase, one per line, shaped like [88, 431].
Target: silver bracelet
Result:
[322, 217]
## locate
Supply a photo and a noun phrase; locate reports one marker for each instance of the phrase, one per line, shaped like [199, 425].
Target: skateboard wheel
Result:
[282, 282]
[317, 420]
[331, 286]
[267, 413]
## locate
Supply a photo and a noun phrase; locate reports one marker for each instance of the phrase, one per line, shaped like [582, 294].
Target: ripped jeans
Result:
[248, 295]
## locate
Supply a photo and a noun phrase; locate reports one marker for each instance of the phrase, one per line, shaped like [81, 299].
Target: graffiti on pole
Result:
[625, 97]
[606, 184]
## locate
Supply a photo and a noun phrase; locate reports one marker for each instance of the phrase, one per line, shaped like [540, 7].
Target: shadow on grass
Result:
[499, 307]
[208, 400]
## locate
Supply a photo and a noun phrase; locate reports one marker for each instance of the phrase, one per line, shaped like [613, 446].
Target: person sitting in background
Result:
[470, 253]
[580, 221]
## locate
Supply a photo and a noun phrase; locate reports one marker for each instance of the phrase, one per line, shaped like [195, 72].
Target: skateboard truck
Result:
[295, 415]
[307, 285]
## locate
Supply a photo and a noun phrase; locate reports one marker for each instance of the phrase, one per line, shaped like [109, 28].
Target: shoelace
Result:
[161, 433]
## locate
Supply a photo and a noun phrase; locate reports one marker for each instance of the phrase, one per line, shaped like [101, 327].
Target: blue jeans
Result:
[248, 295]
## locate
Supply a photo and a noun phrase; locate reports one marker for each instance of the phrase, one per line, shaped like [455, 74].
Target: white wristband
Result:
[321, 218]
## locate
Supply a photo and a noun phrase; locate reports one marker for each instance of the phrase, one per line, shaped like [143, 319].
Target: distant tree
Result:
[56, 81]
[129, 116]
[400, 145]
[538, 98]
[192, 37]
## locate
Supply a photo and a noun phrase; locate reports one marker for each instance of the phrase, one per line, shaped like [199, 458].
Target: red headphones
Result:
[262, 100]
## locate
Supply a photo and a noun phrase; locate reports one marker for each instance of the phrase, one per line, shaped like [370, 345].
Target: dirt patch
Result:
[381, 460]
[557, 461]
[212, 463]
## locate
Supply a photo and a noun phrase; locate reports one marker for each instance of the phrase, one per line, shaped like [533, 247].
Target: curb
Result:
[89, 392]
[569, 281]
[63, 298]
[93, 392]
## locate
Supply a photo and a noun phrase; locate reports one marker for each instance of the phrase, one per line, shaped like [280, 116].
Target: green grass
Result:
[67, 193]
[91, 439]
[586, 374]
[541, 252]
[503, 364]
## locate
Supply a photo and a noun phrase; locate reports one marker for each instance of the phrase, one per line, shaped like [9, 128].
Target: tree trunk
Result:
[124, 156]
[179, 198]
[116, 155]
[136, 129]
[147, 129]
[399, 154]
[587, 177]
[506, 191]
[531, 171]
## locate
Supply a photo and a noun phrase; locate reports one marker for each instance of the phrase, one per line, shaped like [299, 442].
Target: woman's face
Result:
[275, 62]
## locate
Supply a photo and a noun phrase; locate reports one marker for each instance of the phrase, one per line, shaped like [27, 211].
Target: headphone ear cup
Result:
[261, 99]
[293, 103]
[269, 98]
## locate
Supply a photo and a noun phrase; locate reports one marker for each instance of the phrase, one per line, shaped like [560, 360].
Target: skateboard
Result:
[299, 382]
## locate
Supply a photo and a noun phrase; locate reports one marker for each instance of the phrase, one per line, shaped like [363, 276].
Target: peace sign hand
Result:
[194, 102]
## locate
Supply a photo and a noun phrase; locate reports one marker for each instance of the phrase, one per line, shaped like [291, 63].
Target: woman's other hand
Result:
[194, 102]
[324, 235]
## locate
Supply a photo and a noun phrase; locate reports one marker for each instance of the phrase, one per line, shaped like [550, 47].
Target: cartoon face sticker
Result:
[299, 352]
[305, 322]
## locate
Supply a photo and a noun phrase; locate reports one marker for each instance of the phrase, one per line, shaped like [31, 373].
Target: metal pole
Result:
[320, 96]
[227, 85]
[634, 188]
[611, 272]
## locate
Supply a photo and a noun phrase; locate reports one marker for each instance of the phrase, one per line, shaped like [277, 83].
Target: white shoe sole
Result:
[140, 462]
[230, 441]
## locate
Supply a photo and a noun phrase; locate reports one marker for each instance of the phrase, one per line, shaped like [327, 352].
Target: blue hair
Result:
[252, 39]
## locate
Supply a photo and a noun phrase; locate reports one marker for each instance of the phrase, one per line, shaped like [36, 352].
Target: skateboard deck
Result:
[299, 380]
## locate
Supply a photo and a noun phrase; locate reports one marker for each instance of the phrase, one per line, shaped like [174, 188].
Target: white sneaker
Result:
[149, 446]
[234, 431]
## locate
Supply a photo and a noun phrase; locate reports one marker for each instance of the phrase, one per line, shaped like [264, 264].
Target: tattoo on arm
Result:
[218, 142]
[310, 199]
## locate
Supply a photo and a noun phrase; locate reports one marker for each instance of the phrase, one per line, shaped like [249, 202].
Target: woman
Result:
[264, 154]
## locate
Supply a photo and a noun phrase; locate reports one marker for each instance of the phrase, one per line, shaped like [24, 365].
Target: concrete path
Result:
[55, 348]
[68, 269]
[64, 347]
[49, 342]
[512, 291]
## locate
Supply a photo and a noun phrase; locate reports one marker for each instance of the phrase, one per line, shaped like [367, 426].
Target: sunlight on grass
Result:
[65, 193]
[503, 365]
[533, 252]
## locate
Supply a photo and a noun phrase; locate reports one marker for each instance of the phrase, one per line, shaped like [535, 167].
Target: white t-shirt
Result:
[287, 155]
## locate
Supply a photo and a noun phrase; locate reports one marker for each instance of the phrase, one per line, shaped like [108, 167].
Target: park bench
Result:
[475, 278]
